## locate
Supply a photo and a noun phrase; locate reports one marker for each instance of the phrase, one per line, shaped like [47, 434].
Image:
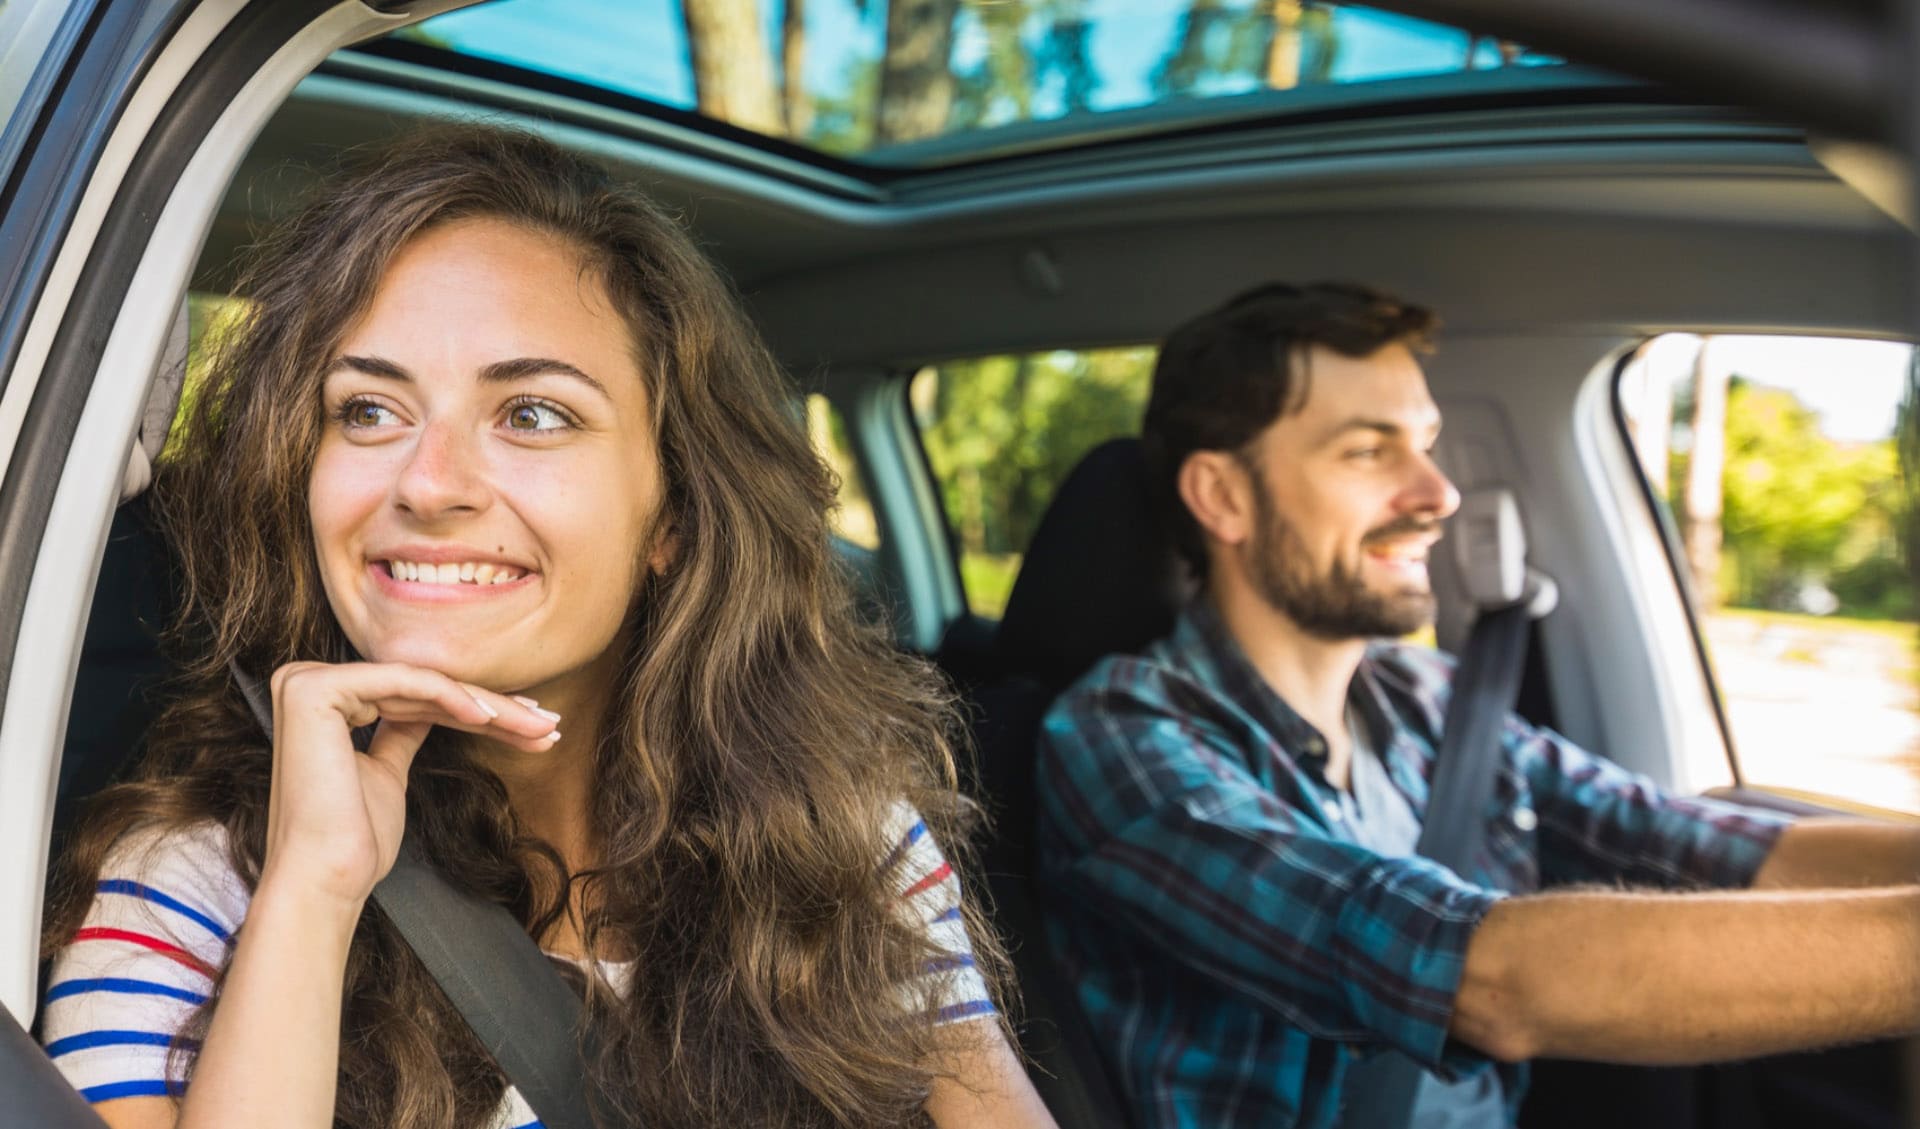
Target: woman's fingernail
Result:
[548, 714]
[553, 736]
[526, 701]
[482, 703]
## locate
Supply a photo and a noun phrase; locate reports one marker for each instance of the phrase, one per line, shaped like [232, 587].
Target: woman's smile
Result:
[424, 581]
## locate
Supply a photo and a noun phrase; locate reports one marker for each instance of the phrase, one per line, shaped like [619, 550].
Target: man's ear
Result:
[1214, 487]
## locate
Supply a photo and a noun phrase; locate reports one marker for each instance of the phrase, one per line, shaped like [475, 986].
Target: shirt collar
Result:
[1216, 658]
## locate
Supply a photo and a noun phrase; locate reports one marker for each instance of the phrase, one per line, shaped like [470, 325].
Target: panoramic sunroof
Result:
[920, 83]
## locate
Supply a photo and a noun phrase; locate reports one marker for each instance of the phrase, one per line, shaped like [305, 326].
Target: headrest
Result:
[1101, 576]
[163, 397]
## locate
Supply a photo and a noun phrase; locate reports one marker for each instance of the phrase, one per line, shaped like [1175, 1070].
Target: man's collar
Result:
[1217, 657]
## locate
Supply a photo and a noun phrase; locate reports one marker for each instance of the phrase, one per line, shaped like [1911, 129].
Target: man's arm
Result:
[1835, 853]
[1684, 978]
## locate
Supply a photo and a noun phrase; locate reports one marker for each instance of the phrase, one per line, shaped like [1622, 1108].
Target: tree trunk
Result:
[793, 73]
[1283, 49]
[1705, 467]
[732, 69]
[916, 76]
[1187, 63]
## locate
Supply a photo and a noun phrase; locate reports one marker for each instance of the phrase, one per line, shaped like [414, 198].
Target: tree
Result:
[1275, 44]
[916, 77]
[793, 59]
[1191, 59]
[1701, 504]
[1802, 509]
[1066, 52]
[1283, 45]
[732, 68]
[1004, 431]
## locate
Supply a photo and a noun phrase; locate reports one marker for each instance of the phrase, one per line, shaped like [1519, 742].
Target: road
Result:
[1830, 707]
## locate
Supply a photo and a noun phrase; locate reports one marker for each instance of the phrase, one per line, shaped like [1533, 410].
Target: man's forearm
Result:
[1663, 978]
[1836, 853]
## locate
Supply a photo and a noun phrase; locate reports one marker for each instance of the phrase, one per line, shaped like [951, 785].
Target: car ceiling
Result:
[1591, 214]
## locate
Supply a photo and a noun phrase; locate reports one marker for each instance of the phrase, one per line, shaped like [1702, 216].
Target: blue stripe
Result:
[950, 962]
[67, 988]
[146, 1088]
[89, 1039]
[148, 893]
[914, 835]
[532, 1125]
[964, 1011]
[951, 915]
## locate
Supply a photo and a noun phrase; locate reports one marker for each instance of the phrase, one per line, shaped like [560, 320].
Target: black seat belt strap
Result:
[501, 983]
[1485, 687]
[505, 988]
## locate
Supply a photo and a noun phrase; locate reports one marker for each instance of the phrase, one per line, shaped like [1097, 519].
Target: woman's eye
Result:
[365, 413]
[534, 415]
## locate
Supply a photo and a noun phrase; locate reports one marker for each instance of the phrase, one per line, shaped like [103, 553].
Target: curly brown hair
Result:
[760, 735]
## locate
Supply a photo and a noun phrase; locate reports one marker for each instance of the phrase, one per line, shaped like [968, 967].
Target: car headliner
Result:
[1572, 201]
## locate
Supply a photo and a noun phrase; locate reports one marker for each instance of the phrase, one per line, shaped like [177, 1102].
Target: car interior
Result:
[1558, 216]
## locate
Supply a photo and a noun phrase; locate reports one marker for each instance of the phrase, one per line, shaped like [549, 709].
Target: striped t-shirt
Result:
[168, 905]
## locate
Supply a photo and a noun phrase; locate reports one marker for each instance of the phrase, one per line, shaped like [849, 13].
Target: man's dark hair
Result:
[1223, 377]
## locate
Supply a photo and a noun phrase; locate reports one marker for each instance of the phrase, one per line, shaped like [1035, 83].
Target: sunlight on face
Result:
[1350, 501]
[487, 482]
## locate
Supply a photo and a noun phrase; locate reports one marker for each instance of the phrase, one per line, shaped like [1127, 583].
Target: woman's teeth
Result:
[465, 573]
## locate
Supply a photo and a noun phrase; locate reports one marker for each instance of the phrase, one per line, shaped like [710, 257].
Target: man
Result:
[1228, 821]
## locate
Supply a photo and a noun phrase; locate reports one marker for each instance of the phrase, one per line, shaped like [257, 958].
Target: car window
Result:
[1001, 433]
[852, 518]
[27, 27]
[1784, 468]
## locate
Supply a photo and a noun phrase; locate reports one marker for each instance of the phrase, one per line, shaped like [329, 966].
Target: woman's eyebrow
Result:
[371, 366]
[499, 372]
[519, 368]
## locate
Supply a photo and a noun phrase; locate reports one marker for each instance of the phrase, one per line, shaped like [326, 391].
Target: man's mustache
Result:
[1403, 527]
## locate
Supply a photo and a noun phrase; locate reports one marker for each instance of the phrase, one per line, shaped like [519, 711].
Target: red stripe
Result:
[938, 876]
[171, 952]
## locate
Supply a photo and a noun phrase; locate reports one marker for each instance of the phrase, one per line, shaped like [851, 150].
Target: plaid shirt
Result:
[1234, 949]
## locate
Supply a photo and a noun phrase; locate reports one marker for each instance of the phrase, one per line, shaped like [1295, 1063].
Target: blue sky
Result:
[637, 46]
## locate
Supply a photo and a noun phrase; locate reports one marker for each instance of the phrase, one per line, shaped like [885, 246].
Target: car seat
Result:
[1100, 577]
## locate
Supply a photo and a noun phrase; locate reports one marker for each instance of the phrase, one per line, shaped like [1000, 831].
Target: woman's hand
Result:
[335, 815]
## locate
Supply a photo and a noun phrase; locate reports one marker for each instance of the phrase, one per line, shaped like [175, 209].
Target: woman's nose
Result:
[443, 474]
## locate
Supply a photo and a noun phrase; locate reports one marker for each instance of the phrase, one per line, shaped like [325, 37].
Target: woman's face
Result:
[485, 497]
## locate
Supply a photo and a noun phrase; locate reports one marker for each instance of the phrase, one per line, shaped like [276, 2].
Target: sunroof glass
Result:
[861, 78]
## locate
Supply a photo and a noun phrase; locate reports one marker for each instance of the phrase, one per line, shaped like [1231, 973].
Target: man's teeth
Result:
[1401, 553]
[467, 572]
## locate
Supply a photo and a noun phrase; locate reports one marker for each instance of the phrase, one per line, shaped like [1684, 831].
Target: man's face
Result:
[1348, 500]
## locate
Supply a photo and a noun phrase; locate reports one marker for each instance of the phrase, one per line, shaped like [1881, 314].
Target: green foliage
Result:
[419, 33]
[844, 123]
[1002, 432]
[1799, 508]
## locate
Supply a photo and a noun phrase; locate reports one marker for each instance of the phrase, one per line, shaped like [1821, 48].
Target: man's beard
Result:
[1337, 604]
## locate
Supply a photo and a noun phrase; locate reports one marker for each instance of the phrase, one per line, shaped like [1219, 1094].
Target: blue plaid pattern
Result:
[1234, 950]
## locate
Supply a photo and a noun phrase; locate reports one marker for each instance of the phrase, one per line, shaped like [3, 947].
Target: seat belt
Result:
[497, 978]
[1491, 548]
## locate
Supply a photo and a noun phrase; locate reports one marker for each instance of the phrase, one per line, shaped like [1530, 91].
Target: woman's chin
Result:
[466, 664]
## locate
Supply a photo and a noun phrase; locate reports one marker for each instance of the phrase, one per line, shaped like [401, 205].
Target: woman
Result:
[495, 465]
